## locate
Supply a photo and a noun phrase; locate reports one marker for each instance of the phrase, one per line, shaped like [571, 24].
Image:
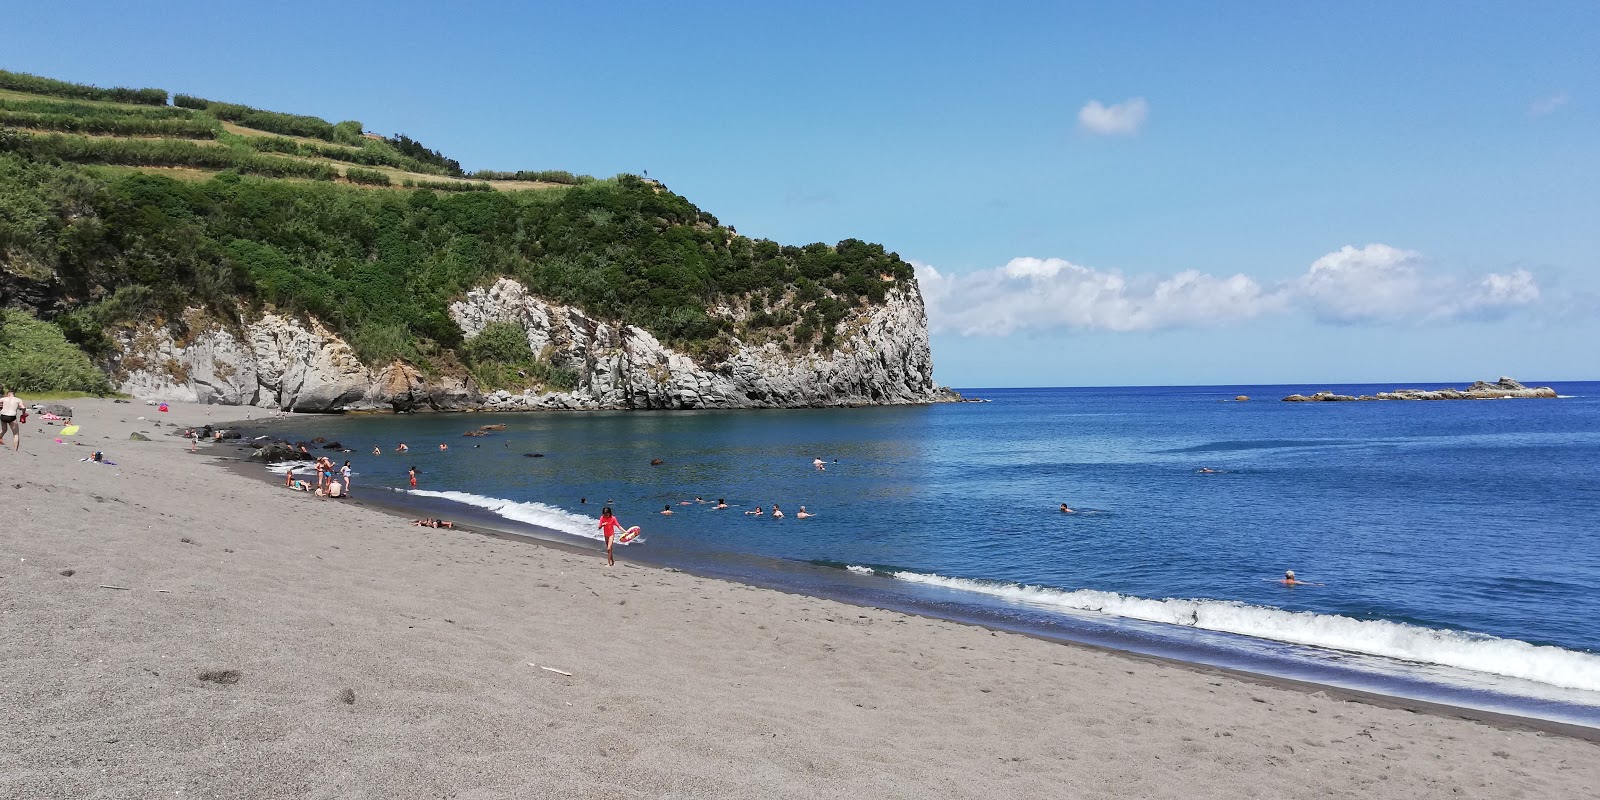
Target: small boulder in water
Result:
[656, 462]
[533, 455]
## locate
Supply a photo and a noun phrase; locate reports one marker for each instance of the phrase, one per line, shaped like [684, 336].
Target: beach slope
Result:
[218, 636]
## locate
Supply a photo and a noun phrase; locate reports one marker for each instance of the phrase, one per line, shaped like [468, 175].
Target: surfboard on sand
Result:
[629, 535]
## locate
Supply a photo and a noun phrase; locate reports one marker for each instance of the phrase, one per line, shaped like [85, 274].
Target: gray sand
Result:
[680, 686]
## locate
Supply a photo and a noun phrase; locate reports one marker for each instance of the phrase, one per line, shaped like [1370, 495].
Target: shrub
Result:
[448, 186]
[161, 153]
[348, 132]
[499, 342]
[36, 357]
[412, 148]
[203, 128]
[33, 84]
[367, 176]
[542, 175]
[269, 121]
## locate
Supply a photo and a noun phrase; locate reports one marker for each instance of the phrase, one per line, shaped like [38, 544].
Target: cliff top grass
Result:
[138, 129]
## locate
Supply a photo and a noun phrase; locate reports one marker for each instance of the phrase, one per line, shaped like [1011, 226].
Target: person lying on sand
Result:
[433, 523]
[803, 513]
[756, 513]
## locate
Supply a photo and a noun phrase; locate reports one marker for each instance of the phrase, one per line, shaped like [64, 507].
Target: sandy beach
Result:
[267, 644]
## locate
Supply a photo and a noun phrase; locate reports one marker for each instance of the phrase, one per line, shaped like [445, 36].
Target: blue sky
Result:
[1261, 193]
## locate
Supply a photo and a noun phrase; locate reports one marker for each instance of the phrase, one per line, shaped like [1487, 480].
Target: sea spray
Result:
[1477, 652]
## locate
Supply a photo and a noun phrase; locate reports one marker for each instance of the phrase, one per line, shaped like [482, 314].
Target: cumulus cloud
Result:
[1118, 119]
[1372, 284]
[1548, 104]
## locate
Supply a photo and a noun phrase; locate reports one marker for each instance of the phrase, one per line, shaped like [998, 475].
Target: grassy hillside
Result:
[116, 207]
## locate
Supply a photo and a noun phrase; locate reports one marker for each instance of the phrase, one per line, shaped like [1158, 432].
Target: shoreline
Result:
[172, 628]
[486, 523]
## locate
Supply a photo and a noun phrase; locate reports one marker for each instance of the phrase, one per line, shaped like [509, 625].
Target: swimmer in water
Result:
[1066, 510]
[803, 513]
[721, 503]
[1290, 580]
[817, 462]
[777, 513]
[756, 513]
[1206, 471]
[667, 510]
[377, 451]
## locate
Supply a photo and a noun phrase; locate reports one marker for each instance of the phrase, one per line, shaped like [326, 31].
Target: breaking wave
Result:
[531, 513]
[1547, 664]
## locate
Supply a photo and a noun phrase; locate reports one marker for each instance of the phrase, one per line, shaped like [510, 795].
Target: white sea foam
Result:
[532, 513]
[860, 570]
[1481, 653]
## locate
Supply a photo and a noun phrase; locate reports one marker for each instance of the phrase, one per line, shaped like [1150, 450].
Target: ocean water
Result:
[1457, 543]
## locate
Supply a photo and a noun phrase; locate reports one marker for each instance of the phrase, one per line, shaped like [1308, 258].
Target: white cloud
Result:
[1548, 104]
[1118, 119]
[1372, 284]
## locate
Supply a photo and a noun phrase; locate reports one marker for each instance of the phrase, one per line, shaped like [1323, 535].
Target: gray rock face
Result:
[274, 362]
[881, 356]
[1501, 389]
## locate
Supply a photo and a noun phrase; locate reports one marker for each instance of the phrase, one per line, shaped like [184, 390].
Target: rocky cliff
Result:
[881, 356]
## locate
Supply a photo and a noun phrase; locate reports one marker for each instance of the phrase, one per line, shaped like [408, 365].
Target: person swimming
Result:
[803, 513]
[1206, 471]
[667, 510]
[721, 503]
[1290, 580]
[756, 513]
[1066, 510]
[777, 513]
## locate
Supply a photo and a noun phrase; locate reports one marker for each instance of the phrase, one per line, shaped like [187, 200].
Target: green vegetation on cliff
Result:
[35, 357]
[378, 254]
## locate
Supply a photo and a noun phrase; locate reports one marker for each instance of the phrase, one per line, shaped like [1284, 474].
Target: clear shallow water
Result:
[1458, 541]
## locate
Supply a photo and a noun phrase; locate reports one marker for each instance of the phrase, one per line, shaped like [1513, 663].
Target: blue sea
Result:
[1453, 546]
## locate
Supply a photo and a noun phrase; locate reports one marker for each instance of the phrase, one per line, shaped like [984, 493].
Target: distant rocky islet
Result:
[1480, 390]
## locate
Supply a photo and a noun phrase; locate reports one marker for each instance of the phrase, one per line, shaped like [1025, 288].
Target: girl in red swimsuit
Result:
[608, 526]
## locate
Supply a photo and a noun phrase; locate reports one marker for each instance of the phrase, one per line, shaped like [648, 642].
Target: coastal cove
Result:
[172, 627]
[950, 511]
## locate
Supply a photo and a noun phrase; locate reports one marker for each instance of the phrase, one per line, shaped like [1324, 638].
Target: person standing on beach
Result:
[10, 410]
[413, 473]
[288, 477]
[608, 527]
[345, 473]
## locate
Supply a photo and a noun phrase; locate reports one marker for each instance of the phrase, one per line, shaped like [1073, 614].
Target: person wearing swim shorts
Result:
[413, 473]
[10, 411]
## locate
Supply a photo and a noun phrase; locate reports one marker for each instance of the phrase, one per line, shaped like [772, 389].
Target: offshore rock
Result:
[1480, 390]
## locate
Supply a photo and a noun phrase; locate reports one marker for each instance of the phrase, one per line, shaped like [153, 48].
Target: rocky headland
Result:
[881, 357]
[1480, 390]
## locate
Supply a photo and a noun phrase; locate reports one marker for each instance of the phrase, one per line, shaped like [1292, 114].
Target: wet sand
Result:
[298, 647]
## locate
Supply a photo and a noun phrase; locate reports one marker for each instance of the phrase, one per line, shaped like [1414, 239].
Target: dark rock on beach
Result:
[1480, 390]
[274, 452]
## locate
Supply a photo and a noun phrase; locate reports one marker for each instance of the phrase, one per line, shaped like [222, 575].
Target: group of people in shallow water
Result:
[331, 481]
[777, 513]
